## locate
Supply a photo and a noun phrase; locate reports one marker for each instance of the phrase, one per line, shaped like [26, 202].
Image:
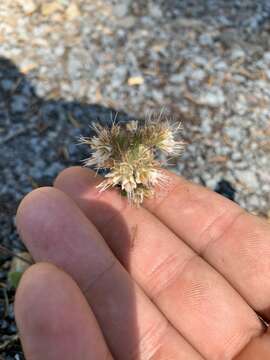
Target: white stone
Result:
[28, 6]
[236, 156]
[72, 11]
[121, 9]
[177, 78]
[214, 97]
[221, 65]
[198, 74]
[267, 73]
[206, 126]
[234, 133]
[266, 57]
[247, 177]
[237, 53]
[154, 10]
[206, 40]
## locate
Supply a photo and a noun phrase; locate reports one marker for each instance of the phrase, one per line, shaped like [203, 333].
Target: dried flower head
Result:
[129, 152]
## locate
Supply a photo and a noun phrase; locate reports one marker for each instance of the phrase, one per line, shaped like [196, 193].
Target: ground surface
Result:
[66, 63]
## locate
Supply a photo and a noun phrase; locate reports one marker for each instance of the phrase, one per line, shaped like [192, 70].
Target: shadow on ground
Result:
[38, 138]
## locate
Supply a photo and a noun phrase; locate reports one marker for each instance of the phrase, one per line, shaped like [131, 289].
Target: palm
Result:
[181, 278]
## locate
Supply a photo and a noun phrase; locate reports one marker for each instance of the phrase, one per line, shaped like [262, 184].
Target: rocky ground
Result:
[66, 63]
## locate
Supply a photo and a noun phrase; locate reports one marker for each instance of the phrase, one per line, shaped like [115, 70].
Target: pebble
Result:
[267, 73]
[154, 10]
[7, 84]
[237, 53]
[19, 104]
[236, 156]
[72, 12]
[266, 57]
[214, 97]
[235, 133]
[28, 6]
[122, 8]
[49, 8]
[198, 74]
[177, 78]
[127, 22]
[247, 177]
[206, 126]
[135, 80]
[221, 65]
[206, 40]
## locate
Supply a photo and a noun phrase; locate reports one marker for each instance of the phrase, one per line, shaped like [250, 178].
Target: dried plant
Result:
[129, 152]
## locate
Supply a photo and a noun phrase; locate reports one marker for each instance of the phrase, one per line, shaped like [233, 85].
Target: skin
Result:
[186, 276]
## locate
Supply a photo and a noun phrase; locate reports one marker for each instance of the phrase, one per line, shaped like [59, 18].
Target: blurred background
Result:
[66, 63]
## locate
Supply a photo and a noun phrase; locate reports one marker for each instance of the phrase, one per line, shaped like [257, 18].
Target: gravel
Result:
[66, 63]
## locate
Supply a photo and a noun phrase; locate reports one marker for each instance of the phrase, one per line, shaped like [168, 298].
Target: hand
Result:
[184, 277]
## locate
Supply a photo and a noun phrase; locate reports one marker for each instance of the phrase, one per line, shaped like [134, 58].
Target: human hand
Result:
[181, 278]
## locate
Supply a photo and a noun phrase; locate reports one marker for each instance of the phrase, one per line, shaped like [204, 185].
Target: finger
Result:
[233, 241]
[54, 319]
[194, 297]
[55, 230]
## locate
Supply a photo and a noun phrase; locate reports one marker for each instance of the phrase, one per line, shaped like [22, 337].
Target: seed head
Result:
[129, 152]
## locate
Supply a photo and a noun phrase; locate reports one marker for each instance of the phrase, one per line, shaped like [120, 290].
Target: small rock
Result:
[27, 66]
[28, 6]
[214, 98]
[121, 9]
[206, 40]
[127, 22]
[53, 170]
[266, 57]
[254, 201]
[189, 23]
[158, 96]
[267, 73]
[135, 80]
[7, 84]
[198, 74]
[248, 178]
[177, 78]
[19, 104]
[237, 53]
[119, 76]
[235, 133]
[221, 65]
[154, 10]
[72, 11]
[48, 9]
[59, 50]
[229, 38]
[236, 156]
[74, 66]
[241, 105]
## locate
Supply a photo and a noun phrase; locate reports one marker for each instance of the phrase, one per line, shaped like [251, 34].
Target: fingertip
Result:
[31, 287]
[53, 317]
[70, 176]
[35, 199]
[42, 209]
[43, 295]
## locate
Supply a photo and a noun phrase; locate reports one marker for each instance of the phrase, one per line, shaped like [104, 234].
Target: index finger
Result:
[231, 240]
